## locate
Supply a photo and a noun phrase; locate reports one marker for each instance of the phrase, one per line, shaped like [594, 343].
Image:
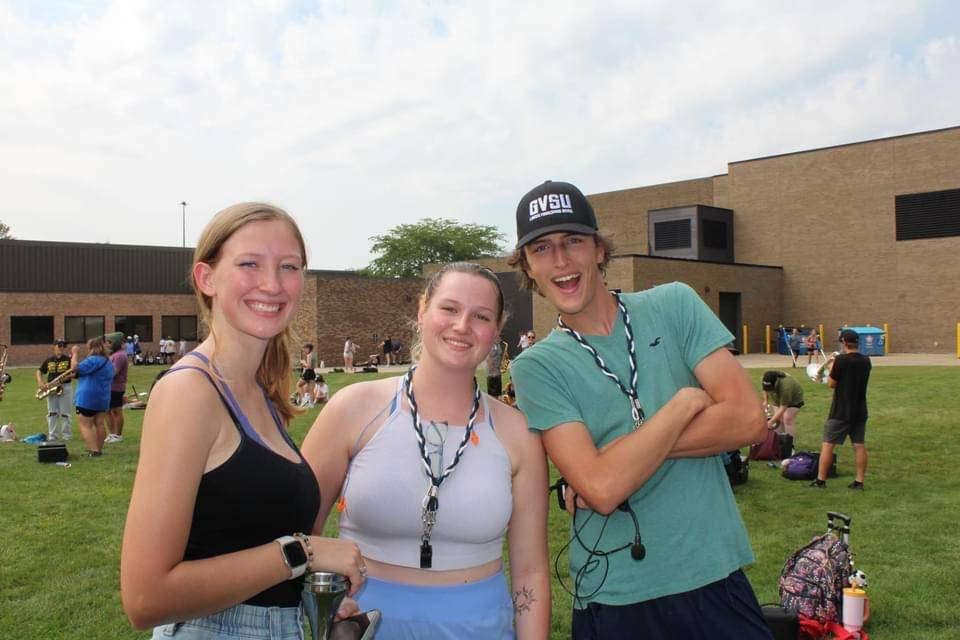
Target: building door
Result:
[730, 316]
[519, 303]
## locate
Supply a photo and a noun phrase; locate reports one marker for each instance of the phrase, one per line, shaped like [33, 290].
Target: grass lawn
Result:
[60, 529]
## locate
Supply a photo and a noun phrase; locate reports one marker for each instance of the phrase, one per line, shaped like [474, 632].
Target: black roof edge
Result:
[100, 245]
[732, 264]
[698, 204]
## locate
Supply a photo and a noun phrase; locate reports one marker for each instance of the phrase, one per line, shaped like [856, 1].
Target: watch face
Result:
[294, 553]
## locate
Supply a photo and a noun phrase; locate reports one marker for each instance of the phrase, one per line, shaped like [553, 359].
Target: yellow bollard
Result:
[768, 338]
[886, 338]
[746, 350]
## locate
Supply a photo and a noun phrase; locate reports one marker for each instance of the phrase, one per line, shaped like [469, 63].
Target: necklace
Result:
[431, 501]
[636, 410]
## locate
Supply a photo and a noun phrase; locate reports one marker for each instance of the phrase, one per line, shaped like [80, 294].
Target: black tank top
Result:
[254, 497]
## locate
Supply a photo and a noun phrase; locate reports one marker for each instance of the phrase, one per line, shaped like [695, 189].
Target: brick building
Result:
[75, 291]
[860, 233]
[856, 234]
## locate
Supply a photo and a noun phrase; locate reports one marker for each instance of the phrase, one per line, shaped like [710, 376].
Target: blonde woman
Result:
[428, 475]
[216, 537]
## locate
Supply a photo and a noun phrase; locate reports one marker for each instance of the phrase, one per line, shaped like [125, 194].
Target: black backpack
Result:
[737, 467]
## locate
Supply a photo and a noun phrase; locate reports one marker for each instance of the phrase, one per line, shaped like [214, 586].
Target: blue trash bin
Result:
[872, 340]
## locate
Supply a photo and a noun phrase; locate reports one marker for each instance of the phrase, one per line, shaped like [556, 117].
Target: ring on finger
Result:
[363, 571]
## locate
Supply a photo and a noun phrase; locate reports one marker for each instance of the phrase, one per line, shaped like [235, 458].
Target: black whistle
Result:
[426, 555]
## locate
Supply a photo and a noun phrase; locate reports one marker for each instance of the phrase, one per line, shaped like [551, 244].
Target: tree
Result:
[407, 248]
[5, 232]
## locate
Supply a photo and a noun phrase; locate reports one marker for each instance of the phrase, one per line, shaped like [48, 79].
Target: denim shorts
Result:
[479, 610]
[241, 622]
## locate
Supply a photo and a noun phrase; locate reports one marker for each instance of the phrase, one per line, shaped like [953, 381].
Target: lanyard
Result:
[636, 410]
[431, 502]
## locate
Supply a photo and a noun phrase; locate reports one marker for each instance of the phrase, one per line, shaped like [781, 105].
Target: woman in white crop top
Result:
[472, 454]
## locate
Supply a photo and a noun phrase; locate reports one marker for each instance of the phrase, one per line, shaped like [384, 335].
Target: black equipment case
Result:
[52, 453]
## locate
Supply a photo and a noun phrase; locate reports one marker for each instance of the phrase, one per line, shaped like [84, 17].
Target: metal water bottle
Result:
[323, 592]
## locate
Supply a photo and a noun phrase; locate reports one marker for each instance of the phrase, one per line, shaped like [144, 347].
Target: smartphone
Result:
[359, 627]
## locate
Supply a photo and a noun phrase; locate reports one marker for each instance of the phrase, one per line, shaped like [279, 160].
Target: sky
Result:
[360, 116]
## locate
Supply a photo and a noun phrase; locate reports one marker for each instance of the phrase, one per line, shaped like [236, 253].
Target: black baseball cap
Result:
[850, 336]
[552, 207]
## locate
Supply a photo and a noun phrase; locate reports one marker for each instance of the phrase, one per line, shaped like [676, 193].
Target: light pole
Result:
[184, 223]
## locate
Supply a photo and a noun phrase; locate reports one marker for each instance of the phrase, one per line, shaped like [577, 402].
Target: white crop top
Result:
[385, 485]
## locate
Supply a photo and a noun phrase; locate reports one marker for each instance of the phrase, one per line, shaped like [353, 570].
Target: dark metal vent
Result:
[672, 234]
[935, 214]
[714, 234]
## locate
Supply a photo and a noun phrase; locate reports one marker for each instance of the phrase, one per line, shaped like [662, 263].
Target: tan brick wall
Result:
[623, 214]
[849, 268]
[759, 288]
[827, 217]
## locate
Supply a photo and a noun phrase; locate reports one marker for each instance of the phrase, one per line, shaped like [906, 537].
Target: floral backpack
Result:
[813, 578]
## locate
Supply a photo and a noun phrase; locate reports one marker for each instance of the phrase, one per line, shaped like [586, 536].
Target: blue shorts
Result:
[476, 611]
[723, 610]
[240, 622]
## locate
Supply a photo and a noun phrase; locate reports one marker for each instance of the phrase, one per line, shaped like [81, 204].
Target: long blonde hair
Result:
[274, 370]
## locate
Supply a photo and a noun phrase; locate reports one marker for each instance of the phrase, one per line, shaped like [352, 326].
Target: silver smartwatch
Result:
[293, 555]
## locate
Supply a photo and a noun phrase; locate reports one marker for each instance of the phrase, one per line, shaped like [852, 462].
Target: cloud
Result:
[357, 117]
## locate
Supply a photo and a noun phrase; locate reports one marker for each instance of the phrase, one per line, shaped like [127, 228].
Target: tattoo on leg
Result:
[522, 600]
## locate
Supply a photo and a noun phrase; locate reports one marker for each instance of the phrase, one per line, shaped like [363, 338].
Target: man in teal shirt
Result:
[634, 396]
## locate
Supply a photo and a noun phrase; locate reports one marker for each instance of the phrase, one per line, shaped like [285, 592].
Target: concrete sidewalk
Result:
[777, 361]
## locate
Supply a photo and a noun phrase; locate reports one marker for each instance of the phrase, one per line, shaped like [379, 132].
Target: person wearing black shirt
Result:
[848, 412]
[59, 406]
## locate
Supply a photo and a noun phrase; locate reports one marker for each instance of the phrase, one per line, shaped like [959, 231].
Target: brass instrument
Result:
[55, 386]
[4, 378]
[819, 373]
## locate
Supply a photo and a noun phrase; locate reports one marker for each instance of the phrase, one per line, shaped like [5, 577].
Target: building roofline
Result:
[776, 155]
[732, 264]
[659, 184]
[346, 273]
[105, 245]
[846, 144]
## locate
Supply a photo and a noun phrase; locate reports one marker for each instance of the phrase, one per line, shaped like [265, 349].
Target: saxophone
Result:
[55, 386]
[505, 360]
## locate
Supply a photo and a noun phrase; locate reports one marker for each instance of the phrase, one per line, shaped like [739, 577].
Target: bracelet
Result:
[308, 547]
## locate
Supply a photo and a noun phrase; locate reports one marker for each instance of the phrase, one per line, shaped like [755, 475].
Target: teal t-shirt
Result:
[689, 522]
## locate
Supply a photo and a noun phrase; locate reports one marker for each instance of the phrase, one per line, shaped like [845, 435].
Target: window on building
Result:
[714, 234]
[179, 327]
[31, 329]
[82, 328]
[671, 234]
[135, 325]
[935, 214]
